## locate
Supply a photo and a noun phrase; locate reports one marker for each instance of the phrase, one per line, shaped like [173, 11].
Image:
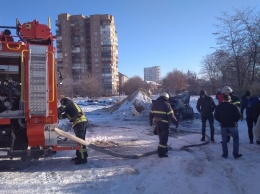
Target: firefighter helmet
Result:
[164, 94]
[226, 89]
[65, 99]
[7, 32]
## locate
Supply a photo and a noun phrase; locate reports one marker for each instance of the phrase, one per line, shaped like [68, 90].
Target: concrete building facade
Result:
[122, 80]
[152, 74]
[88, 44]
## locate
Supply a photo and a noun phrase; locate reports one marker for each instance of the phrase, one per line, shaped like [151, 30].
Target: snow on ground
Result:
[123, 129]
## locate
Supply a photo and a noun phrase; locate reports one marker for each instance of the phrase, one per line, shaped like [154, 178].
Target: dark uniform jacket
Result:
[206, 106]
[227, 114]
[162, 111]
[71, 111]
[235, 100]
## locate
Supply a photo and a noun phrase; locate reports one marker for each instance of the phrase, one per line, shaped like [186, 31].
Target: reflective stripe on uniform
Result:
[170, 112]
[165, 121]
[82, 151]
[79, 120]
[158, 112]
[236, 103]
[163, 146]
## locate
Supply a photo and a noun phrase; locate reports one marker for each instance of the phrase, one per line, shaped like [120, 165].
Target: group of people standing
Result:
[228, 112]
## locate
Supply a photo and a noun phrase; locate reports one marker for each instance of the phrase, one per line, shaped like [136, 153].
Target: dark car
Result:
[181, 107]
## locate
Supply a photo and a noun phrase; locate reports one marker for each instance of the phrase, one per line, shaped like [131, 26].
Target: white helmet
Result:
[226, 89]
[164, 94]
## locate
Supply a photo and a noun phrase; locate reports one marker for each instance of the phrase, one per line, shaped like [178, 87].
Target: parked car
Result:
[181, 107]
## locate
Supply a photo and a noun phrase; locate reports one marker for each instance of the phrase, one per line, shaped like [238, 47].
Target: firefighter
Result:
[73, 112]
[7, 36]
[234, 99]
[161, 114]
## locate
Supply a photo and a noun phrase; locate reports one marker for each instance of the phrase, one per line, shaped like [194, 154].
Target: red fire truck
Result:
[28, 92]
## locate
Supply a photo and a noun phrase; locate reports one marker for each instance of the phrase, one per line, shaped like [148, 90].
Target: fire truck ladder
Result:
[38, 80]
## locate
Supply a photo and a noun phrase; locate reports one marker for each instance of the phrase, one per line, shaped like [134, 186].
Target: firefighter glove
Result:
[155, 131]
[176, 124]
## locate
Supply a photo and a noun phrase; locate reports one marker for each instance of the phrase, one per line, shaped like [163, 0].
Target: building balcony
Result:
[58, 38]
[76, 50]
[57, 23]
[76, 66]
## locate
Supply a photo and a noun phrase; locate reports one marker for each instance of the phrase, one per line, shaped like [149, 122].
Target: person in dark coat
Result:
[161, 114]
[227, 114]
[256, 114]
[206, 106]
[234, 100]
[248, 102]
[73, 112]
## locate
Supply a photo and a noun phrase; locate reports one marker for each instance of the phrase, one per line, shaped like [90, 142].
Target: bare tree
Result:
[192, 82]
[238, 35]
[251, 23]
[174, 82]
[66, 88]
[90, 87]
[133, 84]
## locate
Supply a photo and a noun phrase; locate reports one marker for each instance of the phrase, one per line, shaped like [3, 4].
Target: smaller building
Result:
[122, 80]
[152, 74]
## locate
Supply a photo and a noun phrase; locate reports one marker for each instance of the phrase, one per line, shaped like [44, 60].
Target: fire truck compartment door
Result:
[38, 80]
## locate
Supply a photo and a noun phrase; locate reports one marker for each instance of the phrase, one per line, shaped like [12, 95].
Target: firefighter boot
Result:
[77, 156]
[83, 157]
[203, 135]
[212, 135]
[162, 151]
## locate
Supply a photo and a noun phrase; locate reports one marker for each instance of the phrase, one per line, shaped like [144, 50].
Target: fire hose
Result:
[109, 152]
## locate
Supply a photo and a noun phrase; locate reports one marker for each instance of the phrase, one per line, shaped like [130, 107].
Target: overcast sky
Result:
[173, 34]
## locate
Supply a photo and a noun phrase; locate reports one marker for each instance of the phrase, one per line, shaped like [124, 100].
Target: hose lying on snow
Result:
[100, 149]
[193, 145]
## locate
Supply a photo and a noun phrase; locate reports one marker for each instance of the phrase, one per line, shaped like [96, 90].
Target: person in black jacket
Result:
[73, 112]
[206, 106]
[256, 114]
[227, 114]
[248, 102]
[160, 115]
[234, 100]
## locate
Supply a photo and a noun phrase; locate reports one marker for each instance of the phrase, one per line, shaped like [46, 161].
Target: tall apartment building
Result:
[152, 74]
[88, 44]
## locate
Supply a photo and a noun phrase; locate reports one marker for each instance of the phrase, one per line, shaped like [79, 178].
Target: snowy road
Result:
[201, 170]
